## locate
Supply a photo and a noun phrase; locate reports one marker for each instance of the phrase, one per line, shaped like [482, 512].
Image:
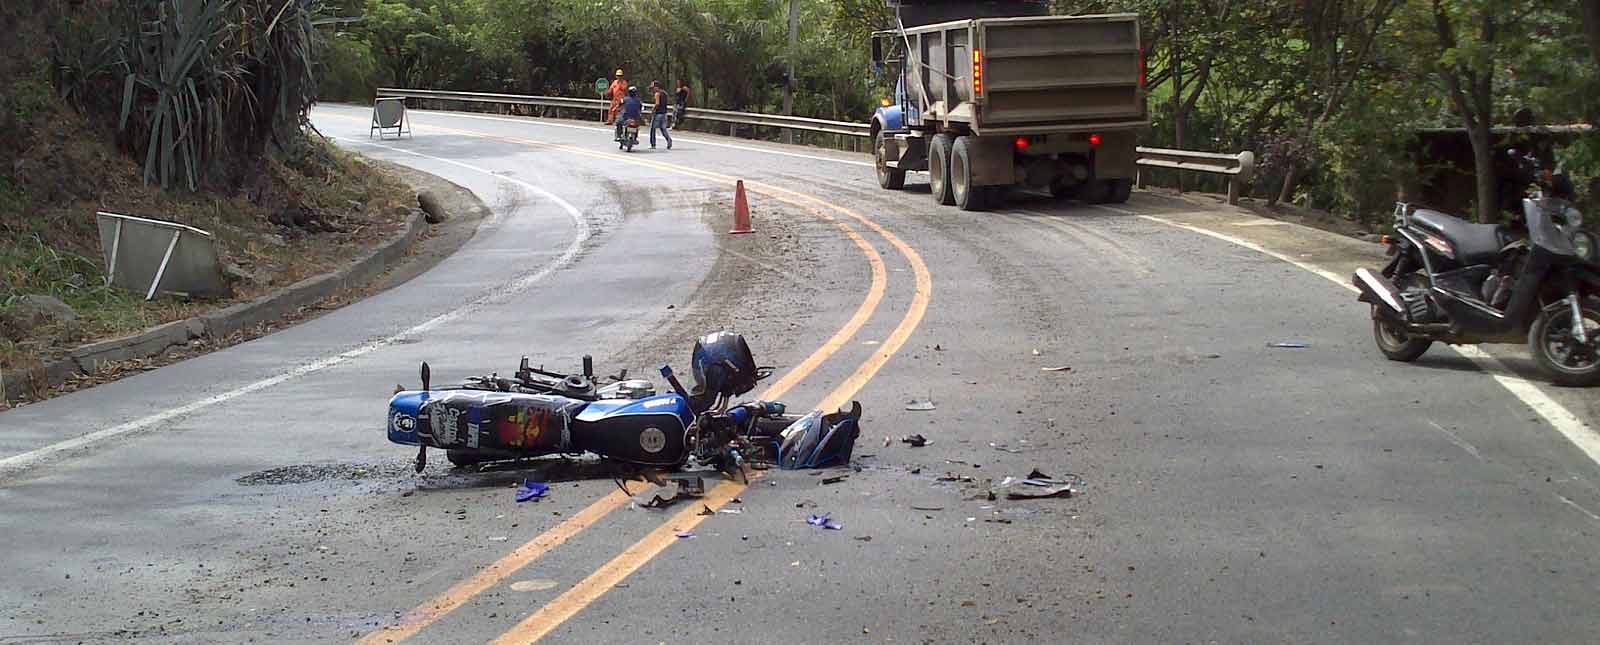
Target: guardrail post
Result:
[1236, 183]
[733, 129]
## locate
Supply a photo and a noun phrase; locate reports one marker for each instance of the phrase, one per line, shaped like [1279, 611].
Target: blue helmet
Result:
[723, 366]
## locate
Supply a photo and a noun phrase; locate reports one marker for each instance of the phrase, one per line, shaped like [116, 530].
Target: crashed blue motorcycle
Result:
[537, 413]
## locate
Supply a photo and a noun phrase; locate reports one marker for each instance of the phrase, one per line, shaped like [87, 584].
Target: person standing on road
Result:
[681, 99]
[658, 96]
[616, 92]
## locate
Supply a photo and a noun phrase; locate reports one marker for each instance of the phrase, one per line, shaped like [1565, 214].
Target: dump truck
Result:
[994, 95]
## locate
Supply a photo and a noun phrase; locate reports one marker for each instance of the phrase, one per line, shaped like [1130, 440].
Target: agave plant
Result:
[180, 83]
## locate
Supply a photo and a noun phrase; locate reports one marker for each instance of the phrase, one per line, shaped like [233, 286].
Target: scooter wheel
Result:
[1552, 344]
[1394, 342]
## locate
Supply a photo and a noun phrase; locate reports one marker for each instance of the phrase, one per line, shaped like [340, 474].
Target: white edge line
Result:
[15, 464]
[1563, 420]
[696, 140]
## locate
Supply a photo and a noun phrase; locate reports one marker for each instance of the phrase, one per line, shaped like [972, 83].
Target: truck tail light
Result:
[1021, 143]
[977, 72]
[1094, 139]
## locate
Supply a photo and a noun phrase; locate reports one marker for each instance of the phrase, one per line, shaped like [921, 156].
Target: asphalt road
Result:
[1234, 491]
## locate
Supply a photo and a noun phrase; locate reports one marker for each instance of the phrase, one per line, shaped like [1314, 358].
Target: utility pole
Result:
[794, 50]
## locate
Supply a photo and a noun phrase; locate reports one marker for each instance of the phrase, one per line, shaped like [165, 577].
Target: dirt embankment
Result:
[300, 209]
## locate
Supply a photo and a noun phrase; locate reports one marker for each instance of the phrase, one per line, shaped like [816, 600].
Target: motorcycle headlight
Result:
[1583, 242]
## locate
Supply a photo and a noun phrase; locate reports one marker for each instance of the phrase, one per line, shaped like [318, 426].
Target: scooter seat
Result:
[1474, 243]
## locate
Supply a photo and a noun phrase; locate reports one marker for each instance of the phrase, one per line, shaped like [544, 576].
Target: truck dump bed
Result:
[1033, 74]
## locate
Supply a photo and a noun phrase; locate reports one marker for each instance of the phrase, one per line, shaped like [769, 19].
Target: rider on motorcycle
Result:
[632, 108]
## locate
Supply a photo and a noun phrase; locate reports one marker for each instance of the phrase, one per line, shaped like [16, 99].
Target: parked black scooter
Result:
[1463, 283]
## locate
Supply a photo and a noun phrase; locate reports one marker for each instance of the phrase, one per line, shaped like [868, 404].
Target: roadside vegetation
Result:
[1331, 94]
[184, 110]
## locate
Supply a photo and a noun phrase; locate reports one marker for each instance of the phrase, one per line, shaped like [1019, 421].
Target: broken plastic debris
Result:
[499, 538]
[533, 585]
[916, 405]
[834, 479]
[916, 440]
[1035, 352]
[1290, 344]
[706, 510]
[731, 511]
[1037, 485]
[1062, 368]
[684, 535]
[531, 490]
[824, 521]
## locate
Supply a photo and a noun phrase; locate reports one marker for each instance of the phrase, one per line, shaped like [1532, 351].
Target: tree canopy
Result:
[1329, 92]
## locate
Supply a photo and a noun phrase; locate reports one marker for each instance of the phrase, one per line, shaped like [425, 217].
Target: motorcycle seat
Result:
[1474, 243]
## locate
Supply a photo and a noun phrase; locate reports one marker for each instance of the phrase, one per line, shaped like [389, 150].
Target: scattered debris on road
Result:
[834, 479]
[531, 490]
[917, 405]
[916, 440]
[684, 535]
[1289, 344]
[1036, 485]
[824, 521]
[673, 491]
[1005, 448]
[1063, 368]
[533, 585]
[705, 510]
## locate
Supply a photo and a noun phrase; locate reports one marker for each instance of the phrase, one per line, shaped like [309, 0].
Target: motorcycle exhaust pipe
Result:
[1375, 289]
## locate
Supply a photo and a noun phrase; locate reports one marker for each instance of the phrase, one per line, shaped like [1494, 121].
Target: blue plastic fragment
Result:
[823, 521]
[531, 490]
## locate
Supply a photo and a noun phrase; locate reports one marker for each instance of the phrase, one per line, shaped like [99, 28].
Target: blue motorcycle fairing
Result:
[404, 409]
[481, 419]
[817, 440]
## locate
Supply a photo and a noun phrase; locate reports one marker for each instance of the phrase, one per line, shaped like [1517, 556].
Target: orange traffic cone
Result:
[741, 211]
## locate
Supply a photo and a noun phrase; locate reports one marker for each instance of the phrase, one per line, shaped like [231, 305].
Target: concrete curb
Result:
[90, 358]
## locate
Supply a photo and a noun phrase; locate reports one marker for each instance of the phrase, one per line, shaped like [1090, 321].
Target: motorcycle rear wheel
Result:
[1395, 343]
[1558, 353]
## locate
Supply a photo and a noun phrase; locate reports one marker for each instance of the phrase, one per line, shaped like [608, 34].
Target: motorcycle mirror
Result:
[426, 375]
[588, 366]
[666, 373]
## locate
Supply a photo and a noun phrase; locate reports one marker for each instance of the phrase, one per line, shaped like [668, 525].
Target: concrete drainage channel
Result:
[91, 358]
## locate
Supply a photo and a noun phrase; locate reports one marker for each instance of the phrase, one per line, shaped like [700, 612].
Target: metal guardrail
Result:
[1239, 168]
[734, 119]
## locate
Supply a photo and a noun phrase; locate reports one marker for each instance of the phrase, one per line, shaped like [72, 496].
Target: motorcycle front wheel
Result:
[1558, 351]
[1393, 340]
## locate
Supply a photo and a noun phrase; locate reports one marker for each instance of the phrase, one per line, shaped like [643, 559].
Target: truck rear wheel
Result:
[1095, 191]
[1121, 189]
[965, 195]
[939, 168]
[888, 178]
